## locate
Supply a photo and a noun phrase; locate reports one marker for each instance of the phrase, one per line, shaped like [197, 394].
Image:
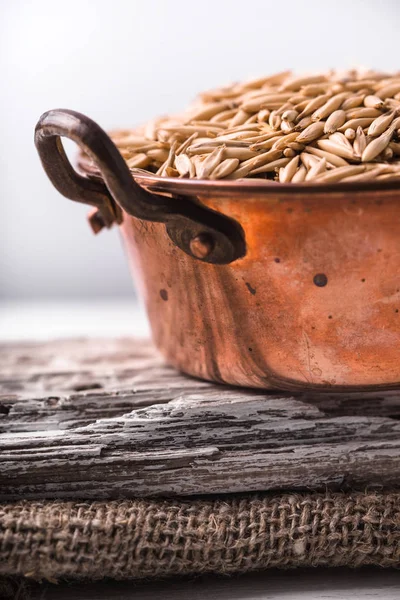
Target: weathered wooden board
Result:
[107, 418]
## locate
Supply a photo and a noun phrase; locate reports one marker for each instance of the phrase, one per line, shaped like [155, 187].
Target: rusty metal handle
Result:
[199, 231]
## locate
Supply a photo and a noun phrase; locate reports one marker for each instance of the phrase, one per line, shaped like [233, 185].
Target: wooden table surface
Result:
[52, 320]
[88, 418]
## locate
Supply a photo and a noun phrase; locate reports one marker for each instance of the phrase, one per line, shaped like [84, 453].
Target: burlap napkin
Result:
[231, 534]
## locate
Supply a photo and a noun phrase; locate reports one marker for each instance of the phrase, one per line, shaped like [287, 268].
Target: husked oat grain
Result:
[323, 128]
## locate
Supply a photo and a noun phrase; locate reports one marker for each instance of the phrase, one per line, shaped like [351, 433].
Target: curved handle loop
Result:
[199, 231]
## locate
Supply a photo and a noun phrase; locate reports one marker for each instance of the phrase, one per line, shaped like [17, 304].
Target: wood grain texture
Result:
[107, 419]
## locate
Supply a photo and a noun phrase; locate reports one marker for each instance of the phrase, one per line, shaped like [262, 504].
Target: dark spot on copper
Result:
[251, 289]
[250, 349]
[330, 317]
[289, 210]
[397, 310]
[277, 260]
[164, 295]
[363, 279]
[379, 250]
[320, 279]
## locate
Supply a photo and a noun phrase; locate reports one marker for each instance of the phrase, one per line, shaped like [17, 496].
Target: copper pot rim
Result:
[204, 186]
[215, 187]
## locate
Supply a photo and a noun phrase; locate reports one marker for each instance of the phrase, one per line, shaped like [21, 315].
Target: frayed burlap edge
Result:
[152, 538]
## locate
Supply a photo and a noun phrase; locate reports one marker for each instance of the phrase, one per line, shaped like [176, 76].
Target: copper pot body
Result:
[314, 303]
[299, 287]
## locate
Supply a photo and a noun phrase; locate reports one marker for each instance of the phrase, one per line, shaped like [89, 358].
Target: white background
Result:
[122, 62]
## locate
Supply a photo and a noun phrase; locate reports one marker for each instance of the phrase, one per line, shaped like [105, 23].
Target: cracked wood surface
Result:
[108, 419]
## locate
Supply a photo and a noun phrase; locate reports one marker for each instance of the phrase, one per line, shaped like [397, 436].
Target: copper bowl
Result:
[248, 282]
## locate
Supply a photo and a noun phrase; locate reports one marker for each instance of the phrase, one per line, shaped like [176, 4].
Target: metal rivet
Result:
[202, 245]
[320, 279]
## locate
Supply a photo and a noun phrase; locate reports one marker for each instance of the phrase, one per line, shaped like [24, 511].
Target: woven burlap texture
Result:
[147, 538]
